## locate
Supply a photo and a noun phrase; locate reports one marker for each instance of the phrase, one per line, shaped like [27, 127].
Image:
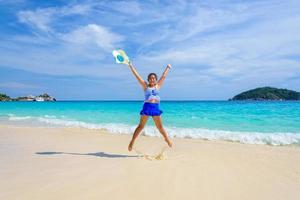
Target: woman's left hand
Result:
[169, 65]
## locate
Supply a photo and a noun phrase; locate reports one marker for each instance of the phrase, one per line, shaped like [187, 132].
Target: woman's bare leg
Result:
[158, 123]
[138, 130]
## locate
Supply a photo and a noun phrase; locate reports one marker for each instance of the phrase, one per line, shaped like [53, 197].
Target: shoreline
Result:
[77, 163]
[252, 138]
[104, 131]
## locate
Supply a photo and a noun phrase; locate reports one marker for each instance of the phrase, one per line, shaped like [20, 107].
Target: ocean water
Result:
[273, 123]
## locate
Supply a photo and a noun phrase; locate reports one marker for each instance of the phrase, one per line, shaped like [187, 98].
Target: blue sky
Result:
[217, 48]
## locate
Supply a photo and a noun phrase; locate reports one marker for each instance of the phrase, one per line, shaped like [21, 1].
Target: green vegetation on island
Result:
[42, 97]
[267, 93]
[4, 97]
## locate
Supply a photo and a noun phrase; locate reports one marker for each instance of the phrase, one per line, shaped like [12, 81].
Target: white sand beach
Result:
[74, 163]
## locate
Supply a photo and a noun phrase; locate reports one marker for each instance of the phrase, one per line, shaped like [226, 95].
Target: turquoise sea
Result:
[269, 122]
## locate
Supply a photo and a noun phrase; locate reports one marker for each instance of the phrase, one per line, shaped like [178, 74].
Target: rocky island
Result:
[267, 93]
[42, 97]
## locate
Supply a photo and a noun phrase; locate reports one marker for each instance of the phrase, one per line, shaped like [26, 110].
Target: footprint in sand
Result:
[159, 156]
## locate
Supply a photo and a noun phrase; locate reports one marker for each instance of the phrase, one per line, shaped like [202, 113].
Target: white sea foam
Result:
[197, 133]
[15, 118]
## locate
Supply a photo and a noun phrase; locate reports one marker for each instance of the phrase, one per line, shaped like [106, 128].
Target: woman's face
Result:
[152, 80]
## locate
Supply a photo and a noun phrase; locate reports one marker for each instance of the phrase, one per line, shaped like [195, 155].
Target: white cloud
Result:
[208, 19]
[42, 18]
[39, 19]
[93, 34]
[77, 9]
[126, 7]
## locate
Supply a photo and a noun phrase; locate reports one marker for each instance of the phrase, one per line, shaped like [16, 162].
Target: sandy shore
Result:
[71, 163]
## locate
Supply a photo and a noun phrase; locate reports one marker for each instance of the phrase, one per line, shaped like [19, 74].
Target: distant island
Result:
[42, 97]
[267, 93]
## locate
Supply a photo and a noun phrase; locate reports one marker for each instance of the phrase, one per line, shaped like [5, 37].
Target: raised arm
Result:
[138, 77]
[163, 76]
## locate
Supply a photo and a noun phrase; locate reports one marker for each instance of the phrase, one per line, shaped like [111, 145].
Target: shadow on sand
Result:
[99, 154]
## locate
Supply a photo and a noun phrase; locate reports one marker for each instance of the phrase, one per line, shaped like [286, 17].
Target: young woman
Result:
[151, 104]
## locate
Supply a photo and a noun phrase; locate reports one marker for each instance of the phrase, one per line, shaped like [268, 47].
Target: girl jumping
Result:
[151, 104]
